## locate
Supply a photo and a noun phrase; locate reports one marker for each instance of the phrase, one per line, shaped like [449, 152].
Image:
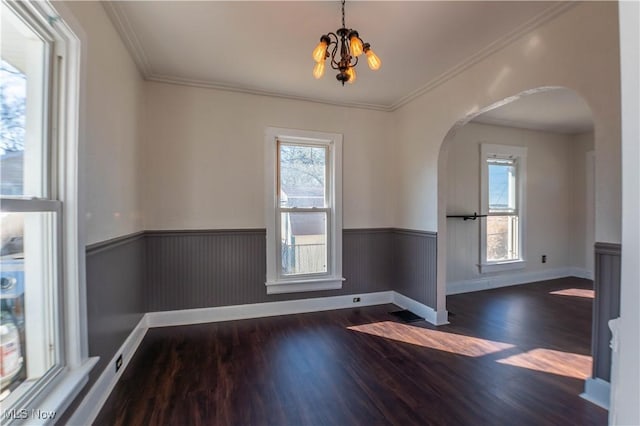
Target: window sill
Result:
[297, 286]
[51, 407]
[502, 266]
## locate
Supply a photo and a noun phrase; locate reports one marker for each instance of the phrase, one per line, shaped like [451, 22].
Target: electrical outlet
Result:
[356, 299]
[544, 258]
[118, 363]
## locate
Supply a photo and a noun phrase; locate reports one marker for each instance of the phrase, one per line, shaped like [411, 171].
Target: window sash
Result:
[328, 242]
[327, 209]
[327, 170]
[34, 205]
[34, 17]
[508, 156]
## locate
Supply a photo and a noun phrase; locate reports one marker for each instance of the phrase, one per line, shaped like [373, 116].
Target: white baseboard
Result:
[92, 403]
[597, 391]
[505, 280]
[258, 310]
[581, 273]
[429, 314]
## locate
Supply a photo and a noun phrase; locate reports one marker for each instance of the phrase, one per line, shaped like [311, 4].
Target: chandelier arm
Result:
[332, 47]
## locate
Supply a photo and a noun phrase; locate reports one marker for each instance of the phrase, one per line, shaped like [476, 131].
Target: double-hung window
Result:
[41, 365]
[304, 224]
[503, 172]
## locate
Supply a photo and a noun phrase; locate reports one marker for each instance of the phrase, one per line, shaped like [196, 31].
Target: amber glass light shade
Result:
[372, 59]
[351, 72]
[318, 70]
[356, 46]
[320, 52]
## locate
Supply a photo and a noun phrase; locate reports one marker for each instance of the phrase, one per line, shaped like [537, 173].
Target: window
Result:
[304, 222]
[40, 329]
[503, 171]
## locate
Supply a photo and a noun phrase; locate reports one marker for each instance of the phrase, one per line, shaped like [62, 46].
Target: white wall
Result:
[625, 380]
[204, 157]
[577, 50]
[550, 189]
[582, 220]
[111, 107]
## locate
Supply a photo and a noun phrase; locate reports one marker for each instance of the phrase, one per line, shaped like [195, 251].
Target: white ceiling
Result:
[265, 47]
[557, 110]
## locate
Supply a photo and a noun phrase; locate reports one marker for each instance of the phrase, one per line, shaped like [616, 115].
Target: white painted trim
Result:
[505, 280]
[502, 266]
[581, 273]
[428, 313]
[92, 403]
[268, 309]
[275, 282]
[204, 84]
[597, 392]
[297, 286]
[131, 41]
[128, 35]
[60, 397]
[519, 154]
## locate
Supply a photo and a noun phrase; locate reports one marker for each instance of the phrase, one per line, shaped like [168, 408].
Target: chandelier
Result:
[350, 45]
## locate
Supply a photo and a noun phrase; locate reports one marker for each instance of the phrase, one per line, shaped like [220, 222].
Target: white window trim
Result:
[488, 151]
[333, 278]
[70, 42]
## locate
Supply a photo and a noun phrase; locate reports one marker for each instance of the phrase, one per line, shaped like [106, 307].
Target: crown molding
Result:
[500, 43]
[132, 43]
[128, 35]
[253, 91]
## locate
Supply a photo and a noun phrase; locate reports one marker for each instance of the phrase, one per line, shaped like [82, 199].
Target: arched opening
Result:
[516, 205]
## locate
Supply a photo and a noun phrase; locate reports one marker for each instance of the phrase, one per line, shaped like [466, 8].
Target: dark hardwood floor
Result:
[511, 356]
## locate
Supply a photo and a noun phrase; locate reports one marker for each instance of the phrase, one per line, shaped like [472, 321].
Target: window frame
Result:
[519, 155]
[64, 77]
[276, 282]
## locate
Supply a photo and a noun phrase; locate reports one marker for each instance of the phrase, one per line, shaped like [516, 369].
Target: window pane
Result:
[502, 186]
[302, 176]
[304, 243]
[28, 278]
[502, 238]
[22, 88]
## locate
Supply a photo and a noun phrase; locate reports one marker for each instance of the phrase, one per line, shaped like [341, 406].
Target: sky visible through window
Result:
[499, 175]
[13, 97]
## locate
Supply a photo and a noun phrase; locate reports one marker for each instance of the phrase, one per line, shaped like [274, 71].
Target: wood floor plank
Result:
[516, 355]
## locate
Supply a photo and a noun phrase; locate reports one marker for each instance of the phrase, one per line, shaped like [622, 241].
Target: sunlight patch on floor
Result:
[554, 362]
[439, 340]
[576, 292]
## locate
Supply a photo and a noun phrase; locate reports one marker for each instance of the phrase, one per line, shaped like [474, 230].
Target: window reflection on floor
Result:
[439, 340]
[576, 292]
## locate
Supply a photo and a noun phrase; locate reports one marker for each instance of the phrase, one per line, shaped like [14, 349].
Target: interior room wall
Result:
[204, 157]
[112, 109]
[548, 190]
[581, 223]
[577, 50]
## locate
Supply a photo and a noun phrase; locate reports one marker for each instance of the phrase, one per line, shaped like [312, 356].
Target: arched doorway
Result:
[545, 228]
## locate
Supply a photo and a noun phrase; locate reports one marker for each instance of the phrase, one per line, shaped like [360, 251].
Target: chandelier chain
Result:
[343, 25]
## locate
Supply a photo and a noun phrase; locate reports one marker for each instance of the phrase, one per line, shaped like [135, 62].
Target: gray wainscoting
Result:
[415, 259]
[115, 300]
[606, 305]
[197, 269]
